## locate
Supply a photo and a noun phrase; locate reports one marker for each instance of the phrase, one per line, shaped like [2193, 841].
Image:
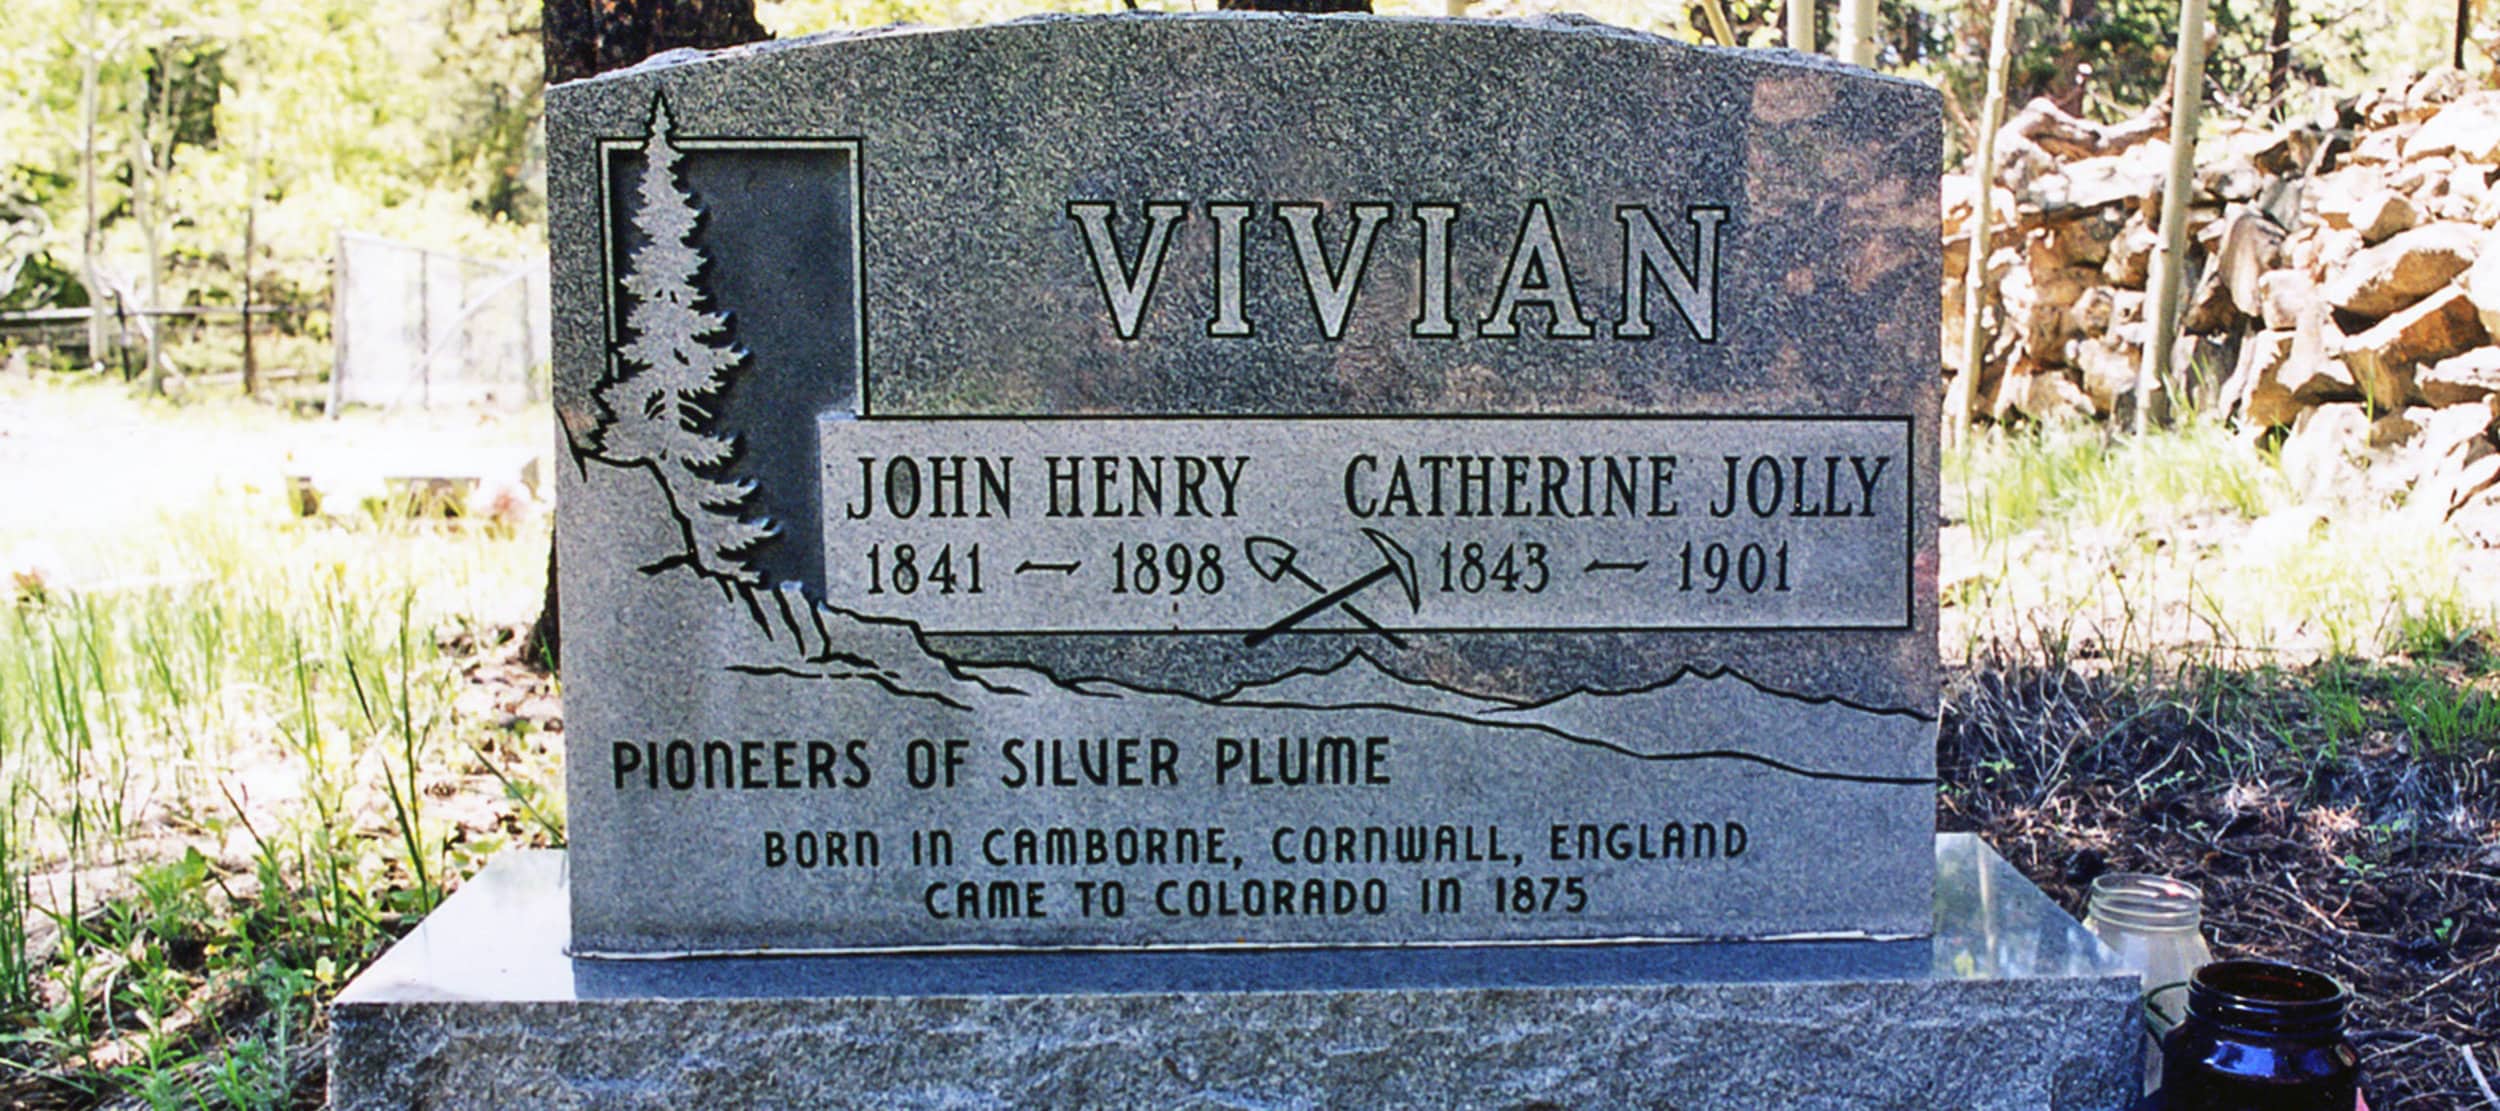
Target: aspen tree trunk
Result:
[1962, 399]
[88, 275]
[146, 195]
[2279, 52]
[1856, 40]
[251, 219]
[1801, 26]
[1719, 28]
[155, 163]
[2187, 89]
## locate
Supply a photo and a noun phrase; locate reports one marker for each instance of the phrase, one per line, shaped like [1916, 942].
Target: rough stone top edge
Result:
[1557, 24]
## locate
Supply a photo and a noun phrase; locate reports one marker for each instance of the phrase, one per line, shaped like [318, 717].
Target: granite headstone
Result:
[1255, 561]
[1211, 481]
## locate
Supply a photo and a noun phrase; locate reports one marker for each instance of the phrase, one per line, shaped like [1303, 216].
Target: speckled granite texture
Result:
[890, 232]
[2009, 1006]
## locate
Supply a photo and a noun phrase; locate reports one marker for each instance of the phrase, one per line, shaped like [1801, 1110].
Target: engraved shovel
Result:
[1393, 562]
[1273, 560]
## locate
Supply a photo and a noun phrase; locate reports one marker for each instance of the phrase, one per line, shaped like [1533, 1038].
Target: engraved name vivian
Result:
[1535, 273]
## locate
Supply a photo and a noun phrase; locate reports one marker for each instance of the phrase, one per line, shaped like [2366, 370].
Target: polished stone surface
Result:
[936, 246]
[2011, 1004]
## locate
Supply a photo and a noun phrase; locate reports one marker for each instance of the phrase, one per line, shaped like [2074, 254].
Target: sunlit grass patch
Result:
[239, 751]
[2005, 482]
[2187, 539]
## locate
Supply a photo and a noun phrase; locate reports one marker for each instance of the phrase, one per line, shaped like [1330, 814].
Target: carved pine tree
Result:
[672, 366]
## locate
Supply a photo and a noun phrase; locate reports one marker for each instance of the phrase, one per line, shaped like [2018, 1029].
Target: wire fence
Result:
[405, 326]
[414, 326]
[118, 337]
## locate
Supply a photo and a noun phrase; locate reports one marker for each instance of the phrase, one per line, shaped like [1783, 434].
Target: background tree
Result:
[355, 116]
[586, 37]
[2107, 59]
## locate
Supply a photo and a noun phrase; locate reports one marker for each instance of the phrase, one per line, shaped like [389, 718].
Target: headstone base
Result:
[2009, 1005]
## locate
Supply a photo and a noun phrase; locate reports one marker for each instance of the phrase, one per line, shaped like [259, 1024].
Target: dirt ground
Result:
[2377, 868]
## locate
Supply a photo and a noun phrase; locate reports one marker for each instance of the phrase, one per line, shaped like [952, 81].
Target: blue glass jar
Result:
[2261, 1036]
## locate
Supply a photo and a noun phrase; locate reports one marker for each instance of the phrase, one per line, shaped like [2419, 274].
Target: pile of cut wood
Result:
[2342, 292]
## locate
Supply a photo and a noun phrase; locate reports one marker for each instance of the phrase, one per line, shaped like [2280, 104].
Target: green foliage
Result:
[2013, 481]
[2445, 719]
[223, 743]
[2426, 712]
[2337, 713]
[2108, 59]
[2438, 627]
[43, 282]
[2077, 539]
[416, 121]
[181, 79]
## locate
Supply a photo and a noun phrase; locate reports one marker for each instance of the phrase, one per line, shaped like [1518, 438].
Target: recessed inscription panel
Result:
[1261, 528]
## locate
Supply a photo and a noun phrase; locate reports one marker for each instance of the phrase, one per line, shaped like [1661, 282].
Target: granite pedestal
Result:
[2010, 1004]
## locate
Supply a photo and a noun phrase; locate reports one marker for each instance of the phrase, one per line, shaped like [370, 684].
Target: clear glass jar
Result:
[2261, 1036]
[2152, 923]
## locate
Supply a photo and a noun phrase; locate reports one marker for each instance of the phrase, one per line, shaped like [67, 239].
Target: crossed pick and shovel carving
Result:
[1273, 560]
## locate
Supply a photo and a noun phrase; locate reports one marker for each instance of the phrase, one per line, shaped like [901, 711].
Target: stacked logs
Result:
[2343, 293]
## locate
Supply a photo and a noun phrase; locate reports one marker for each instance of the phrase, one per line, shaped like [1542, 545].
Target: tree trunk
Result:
[2465, 18]
[2279, 53]
[156, 164]
[251, 221]
[144, 200]
[88, 275]
[1801, 26]
[1716, 14]
[1962, 398]
[586, 37]
[1857, 37]
[2187, 89]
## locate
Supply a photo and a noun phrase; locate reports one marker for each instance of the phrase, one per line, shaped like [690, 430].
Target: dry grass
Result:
[239, 749]
[2163, 664]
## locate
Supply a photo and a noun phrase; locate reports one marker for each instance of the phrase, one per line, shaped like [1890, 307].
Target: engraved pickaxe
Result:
[1393, 562]
[1273, 560]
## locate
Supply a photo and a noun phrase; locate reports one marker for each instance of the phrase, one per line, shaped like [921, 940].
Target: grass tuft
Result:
[225, 738]
[2072, 545]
